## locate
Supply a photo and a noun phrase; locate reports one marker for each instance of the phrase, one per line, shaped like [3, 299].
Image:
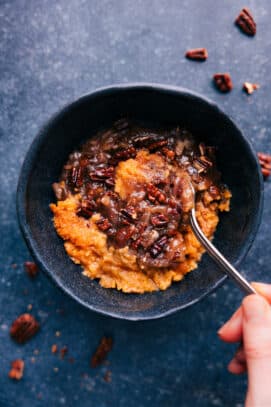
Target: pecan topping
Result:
[100, 174]
[158, 247]
[86, 208]
[197, 54]
[223, 82]
[250, 87]
[103, 224]
[31, 269]
[124, 234]
[129, 213]
[246, 22]
[125, 154]
[157, 144]
[265, 163]
[17, 369]
[76, 177]
[154, 194]
[23, 328]
[159, 220]
[102, 351]
[143, 140]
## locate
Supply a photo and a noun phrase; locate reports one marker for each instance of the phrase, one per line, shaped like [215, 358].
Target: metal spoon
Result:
[217, 256]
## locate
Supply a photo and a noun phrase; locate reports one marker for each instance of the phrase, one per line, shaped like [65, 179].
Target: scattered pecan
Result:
[86, 208]
[250, 87]
[223, 82]
[54, 348]
[265, 163]
[154, 194]
[158, 247]
[108, 376]
[246, 22]
[76, 177]
[157, 144]
[63, 352]
[159, 220]
[31, 269]
[197, 54]
[125, 154]
[23, 328]
[102, 351]
[170, 154]
[103, 224]
[60, 190]
[17, 369]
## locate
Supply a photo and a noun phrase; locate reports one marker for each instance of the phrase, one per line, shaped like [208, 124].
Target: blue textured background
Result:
[51, 53]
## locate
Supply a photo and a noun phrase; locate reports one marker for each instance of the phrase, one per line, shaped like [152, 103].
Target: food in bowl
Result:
[123, 203]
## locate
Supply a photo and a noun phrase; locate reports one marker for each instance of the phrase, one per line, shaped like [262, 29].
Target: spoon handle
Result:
[218, 257]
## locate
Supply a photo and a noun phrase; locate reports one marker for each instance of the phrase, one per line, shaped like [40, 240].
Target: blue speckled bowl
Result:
[161, 104]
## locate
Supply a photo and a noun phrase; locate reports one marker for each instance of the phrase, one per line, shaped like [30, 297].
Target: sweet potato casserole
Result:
[123, 203]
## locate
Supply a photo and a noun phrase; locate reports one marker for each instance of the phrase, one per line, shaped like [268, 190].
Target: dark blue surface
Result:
[51, 53]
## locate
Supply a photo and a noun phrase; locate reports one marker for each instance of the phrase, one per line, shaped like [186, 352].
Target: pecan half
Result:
[129, 213]
[102, 351]
[125, 154]
[250, 87]
[158, 247]
[265, 163]
[23, 328]
[17, 369]
[103, 224]
[157, 144]
[246, 22]
[154, 194]
[31, 269]
[159, 220]
[223, 82]
[100, 174]
[86, 208]
[124, 234]
[76, 177]
[197, 54]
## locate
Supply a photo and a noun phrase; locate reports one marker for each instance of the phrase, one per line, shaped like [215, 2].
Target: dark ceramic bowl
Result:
[163, 105]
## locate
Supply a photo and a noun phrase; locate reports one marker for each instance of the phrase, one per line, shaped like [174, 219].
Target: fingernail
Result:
[233, 322]
[254, 307]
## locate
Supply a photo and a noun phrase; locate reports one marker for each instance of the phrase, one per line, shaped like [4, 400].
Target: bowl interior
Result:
[164, 106]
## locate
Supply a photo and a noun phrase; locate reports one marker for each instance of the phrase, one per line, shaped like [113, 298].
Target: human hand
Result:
[251, 325]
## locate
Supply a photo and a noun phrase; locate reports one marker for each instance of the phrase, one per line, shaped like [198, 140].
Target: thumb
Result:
[257, 347]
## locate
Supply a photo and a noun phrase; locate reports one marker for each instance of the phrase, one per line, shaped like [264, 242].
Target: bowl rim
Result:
[37, 143]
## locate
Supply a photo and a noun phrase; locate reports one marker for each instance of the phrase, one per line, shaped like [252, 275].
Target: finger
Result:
[236, 367]
[263, 289]
[257, 347]
[240, 355]
[231, 331]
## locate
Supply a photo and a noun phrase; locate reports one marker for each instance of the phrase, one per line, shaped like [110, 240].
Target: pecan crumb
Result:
[154, 194]
[250, 87]
[17, 369]
[265, 163]
[31, 269]
[63, 351]
[101, 352]
[223, 82]
[23, 328]
[197, 54]
[108, 376]
[246, 22]
[54, 348]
